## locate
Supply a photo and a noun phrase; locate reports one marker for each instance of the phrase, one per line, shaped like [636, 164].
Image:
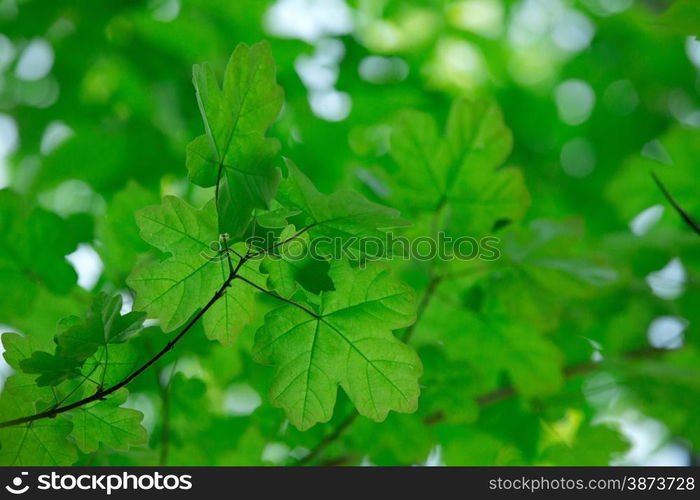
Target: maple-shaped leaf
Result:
[42, 442]
[103, 324]
[460, 170]
[350, 343]
[51, 368]
[234, 149]
[172, 289]
[77, 340]
[493, 346]
[341, 216]
[108, 423]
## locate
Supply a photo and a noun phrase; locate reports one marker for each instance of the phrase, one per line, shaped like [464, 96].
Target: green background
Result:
[578, 347]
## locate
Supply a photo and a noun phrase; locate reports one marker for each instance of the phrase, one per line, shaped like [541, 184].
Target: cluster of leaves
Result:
[318, 341]
[500, 350]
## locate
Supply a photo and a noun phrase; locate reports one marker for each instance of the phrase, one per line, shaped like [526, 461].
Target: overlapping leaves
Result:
[234, 151]
[172, 289]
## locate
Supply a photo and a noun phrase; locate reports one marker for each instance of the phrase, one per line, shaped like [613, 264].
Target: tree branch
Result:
[684, 215]
[101, 394]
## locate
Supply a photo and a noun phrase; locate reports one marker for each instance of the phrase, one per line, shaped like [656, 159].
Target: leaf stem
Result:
[280, 243]
[279, 297]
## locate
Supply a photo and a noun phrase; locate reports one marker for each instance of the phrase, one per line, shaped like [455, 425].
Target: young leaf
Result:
[348, 343]
[234, 149]
[107, 422]
[110, 364]
[103, 324]
[52, 368]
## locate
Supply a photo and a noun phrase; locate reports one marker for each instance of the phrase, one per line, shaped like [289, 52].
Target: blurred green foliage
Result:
[581, 339]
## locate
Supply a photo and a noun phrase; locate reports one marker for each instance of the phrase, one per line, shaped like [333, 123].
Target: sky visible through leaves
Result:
[195, 201]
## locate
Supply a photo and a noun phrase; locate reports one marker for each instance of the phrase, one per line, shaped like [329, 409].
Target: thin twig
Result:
[684, 215]
[330, 438]
[102, 394]
[165, 430]
[425, 301]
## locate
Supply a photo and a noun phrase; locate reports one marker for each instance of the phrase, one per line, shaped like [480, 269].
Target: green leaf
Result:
[17, 347]
[450, 388]
[460, 170]
[493, 345]
[103, 324]
[173, 289]
[471, 446]
[39, 443]
[540, 272]
[234, 148]
[24, 386]
[52, 369]
[42, 442]
[276, 217]
[683, 16]
[112, 363]
[345, 216]
[282, 270]
[673, 158]
[349, 343]
[592, 444]
[291, 267]
[33, 246]
[118, 232]
[108, 423]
